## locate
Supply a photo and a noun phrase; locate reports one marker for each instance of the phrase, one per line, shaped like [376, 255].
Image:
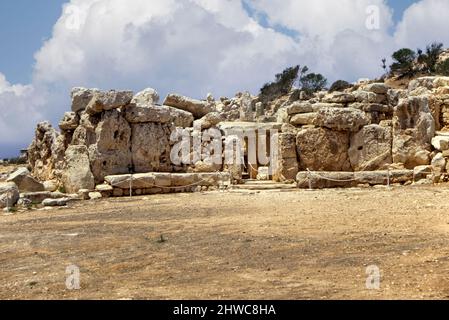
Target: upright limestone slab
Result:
[321, 149]
[413, 130]
[77, 174]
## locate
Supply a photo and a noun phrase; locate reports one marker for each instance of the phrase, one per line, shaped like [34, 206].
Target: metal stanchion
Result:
[388, 178]
[309, 175]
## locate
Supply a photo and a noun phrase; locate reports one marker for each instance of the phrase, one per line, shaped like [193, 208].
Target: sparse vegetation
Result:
[312, 82]
[281, 86]
[433, 52]
[408, 63]
[403, 65]
[309, 82]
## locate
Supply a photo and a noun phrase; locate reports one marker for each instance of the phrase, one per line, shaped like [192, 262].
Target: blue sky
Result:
[24, 25]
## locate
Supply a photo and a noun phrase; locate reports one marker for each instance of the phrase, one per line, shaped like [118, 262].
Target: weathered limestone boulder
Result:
[81, 98]
[150, 147]
[438, 166]
[181, 118]
[148, 113]
[287, 166]
[85, 134]
[196, 107]
[282, 115]
[162, 180]
[428, 83]
[9, 194]
[208, 121]
[413, 130]
[339, 97]
[46, 152]
[378, 88]
[394, 95]
[24, 181]
[321, 149]
[214, 179]
[105, 101]
[50, 185]
[299, 107]
[62, 202]
[183, 179]
[370, 148]
[95, 195]
[341, 119]
[111, 153]
[421, 172]
[70, 121]
[441, 143]
[322, 180]
[38, 197]
[372, 107]
[146, 97]
[322, 105]
[288, 128]
[77, 174]
[246, 107]
[301, 119]
[382, 177]
[104, 188]
[26, 201]
[365, 96]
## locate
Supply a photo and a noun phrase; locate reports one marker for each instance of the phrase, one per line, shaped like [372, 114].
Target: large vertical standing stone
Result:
[77, 174]
[111, 154]
[371, 148]
[287, 167]
[246, 108]
[321, 149]
[413, 130]
[151, 147]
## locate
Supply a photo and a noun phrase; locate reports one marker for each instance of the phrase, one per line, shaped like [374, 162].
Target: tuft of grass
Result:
[162, 239]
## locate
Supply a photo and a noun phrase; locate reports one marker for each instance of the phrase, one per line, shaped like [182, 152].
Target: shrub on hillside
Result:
[430, 59]
[340, 85]
[404, 63]
[281, 86]
[312, 82]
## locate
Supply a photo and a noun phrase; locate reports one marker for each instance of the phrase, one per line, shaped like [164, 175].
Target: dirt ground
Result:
[242, 245]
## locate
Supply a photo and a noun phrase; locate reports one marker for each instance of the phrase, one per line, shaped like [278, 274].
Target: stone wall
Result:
[369, 127]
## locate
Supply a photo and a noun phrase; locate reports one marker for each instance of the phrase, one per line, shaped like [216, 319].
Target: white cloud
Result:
[19, 107]
[198, 46]
[424, 22]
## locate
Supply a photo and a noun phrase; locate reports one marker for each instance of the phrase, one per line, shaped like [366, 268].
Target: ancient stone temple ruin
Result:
[119, 143]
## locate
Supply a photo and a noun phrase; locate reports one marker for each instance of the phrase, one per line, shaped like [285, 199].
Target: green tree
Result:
[403, 63]
[312, 82]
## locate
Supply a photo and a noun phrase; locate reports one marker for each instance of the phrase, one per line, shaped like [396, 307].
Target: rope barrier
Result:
[312, 173]
[174, 187]
[329, 179]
